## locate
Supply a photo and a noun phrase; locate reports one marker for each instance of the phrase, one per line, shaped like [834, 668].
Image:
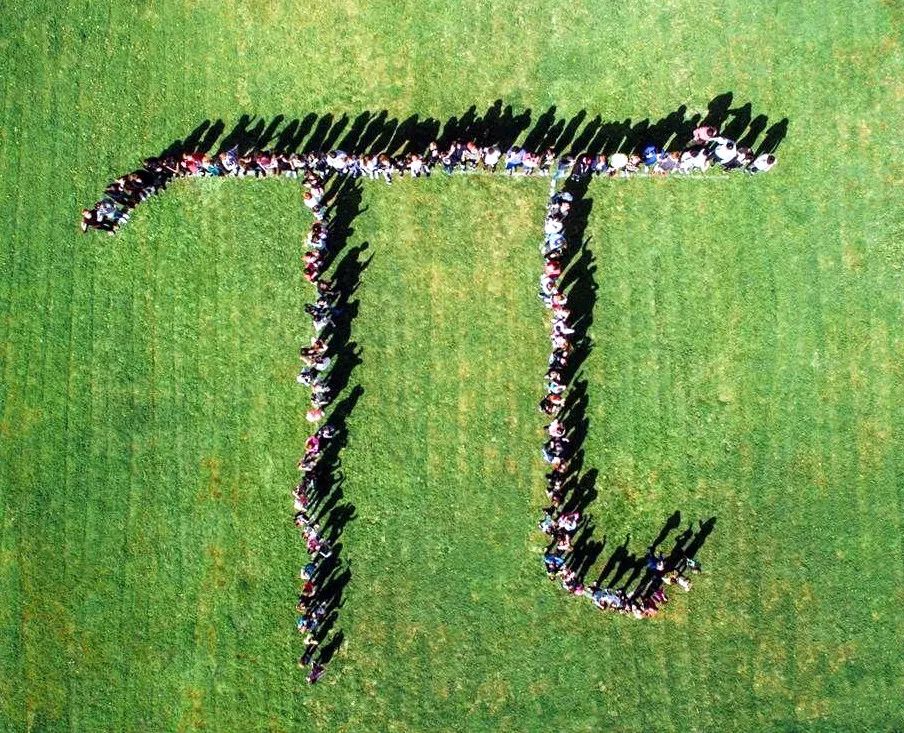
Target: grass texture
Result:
[746, 365]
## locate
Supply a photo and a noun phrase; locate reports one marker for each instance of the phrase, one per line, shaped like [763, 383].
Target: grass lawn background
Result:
[746, 365]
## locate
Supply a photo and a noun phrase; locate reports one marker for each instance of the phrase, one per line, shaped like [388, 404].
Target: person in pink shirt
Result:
[704, 134]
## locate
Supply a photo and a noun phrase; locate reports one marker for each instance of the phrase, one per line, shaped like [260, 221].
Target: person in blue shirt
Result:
[650, 156]
[554, 563]
[513, 159]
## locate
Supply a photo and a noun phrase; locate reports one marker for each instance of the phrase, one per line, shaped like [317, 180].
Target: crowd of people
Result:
[707, 149]
[317, 358]
[559, 523]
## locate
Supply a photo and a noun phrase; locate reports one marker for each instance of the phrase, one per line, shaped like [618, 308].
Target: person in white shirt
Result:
[618, 162]
[762, 164]
[491, 157]
[416, 167]
[337, 160]
[693, 160]
[724, 150]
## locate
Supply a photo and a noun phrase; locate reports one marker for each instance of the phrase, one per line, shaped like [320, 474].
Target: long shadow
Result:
[586, 549]
[536, 139]
[580, 286]
[773, 138]
[697, 539]
[333, 511]
[330, 649]
[631, 573]
[622, 568]
[671, 524]
[347, 275]
[615, 565]
[377, 133]
[344, 196]
[500, 124]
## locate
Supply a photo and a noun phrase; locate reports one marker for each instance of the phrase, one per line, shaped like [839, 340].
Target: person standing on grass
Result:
[417, 167]
[555, 384]
[571, 582]
[553, 225]
[90, 218]
[321, 394]
[547, 161]
[491, 156]
[337, 160]
[568, 523]
[317, 671]
[667, 163]
[601, 165]
[554, 564]
[763, 163]
[650, 156]
[547, 525]
[693, 160]
[704, 134]
[385, 168]
[655, 562]
[553, 244]
[313, 204]
[563, 168]
[513, 159]
[551, 404]
[530, 162]
[723, 150]
[744, 159]
[451, 158]
[583, 168]
[618, 163]
[470, 155]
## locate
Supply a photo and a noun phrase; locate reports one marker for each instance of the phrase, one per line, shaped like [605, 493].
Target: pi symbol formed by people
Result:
[331, 170]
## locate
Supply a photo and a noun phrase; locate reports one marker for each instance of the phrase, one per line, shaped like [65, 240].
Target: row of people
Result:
[317, 359]
[558, 523]
[311, 608]
[708, 148]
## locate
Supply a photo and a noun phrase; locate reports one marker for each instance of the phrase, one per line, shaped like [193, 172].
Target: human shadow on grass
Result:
[377, 133]
[332, 511]
[345, 197]
[629, 572]
[347, 353]
[329, 650]
[371, 132]
[634, 574]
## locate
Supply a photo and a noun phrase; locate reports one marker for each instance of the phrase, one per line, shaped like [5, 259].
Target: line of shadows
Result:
[380, 145]
[500, 124]
[329, 507]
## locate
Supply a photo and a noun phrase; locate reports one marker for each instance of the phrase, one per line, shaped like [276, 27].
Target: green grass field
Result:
[746, 365]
